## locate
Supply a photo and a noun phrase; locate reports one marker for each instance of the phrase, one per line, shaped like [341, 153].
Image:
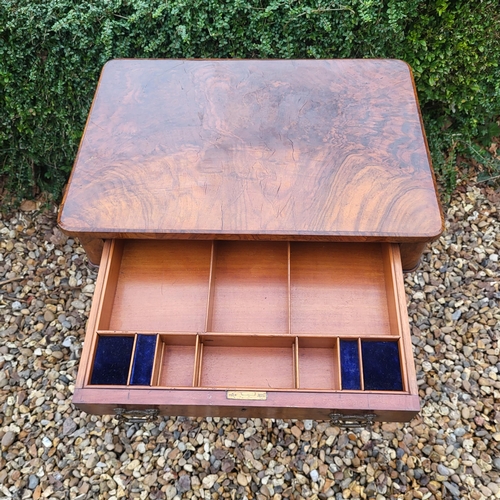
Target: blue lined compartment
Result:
[349, 365]
[381, 366]
[142, 367]
[112, 360]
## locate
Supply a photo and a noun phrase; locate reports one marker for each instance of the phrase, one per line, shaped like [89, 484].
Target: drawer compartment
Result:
[250, 287]
[258, 362]
[153, 286]
[176, 361]
[255, 328]
[336, 289]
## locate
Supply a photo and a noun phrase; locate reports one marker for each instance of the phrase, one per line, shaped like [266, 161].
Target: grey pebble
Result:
[183, 484]
[46, 442]
[8, 438]
[494, 487]
[78, 304]
[444, 471]
[69, 426]
[68, 341]
[427, 449]
[33, 482]
[171, 492]
[452, 488]
[227, 465]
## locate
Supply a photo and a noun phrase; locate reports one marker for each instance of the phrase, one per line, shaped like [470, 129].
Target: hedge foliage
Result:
[51, 53]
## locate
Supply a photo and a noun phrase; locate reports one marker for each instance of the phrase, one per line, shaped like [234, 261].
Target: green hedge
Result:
[51, 53]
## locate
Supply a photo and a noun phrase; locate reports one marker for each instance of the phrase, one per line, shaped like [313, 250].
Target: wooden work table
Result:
[250, 212]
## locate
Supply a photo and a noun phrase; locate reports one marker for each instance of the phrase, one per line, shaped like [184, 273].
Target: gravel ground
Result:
[51, 450]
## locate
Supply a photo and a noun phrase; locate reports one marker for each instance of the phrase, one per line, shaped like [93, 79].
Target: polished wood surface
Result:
[279, 404]
[297, 354]
[323, 149]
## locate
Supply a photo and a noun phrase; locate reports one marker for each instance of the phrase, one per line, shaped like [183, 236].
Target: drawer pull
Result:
[352, 421]
[136, 416]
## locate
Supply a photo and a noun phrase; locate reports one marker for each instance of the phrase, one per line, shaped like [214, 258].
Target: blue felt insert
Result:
[381, 366]
[349, 365]
[112, 360]
[142, 367]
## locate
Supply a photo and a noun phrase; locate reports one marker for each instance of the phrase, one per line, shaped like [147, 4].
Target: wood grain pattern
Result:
[305, 288]
[317, 368]
[243, 367]
[177, 366]
[162, 287]
[251, 287]
[329, 149]
[338, 289]
[284, 404]
[269, 150]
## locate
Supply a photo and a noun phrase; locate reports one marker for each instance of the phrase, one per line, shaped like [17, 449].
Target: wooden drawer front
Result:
[254, 328]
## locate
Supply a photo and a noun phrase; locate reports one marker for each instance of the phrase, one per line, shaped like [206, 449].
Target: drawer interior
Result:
[249, 314]
[247, 362]
[241, 287]
[337, 288]
[157, 286]
[250, 287]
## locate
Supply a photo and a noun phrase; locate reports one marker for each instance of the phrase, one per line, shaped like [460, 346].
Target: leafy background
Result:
[52, 51]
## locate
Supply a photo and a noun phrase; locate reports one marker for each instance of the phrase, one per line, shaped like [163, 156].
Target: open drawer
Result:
[249, 328]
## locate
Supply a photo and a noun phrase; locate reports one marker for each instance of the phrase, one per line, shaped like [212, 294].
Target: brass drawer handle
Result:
[352, 421]
[136, 416]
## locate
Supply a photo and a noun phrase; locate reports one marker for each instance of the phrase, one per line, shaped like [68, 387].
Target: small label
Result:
[249, 395]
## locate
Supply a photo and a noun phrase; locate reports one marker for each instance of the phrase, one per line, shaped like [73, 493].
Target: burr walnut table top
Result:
[308, 149]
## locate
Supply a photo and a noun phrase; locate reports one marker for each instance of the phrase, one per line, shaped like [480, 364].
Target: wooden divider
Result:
[301, 288]
[254, 314]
